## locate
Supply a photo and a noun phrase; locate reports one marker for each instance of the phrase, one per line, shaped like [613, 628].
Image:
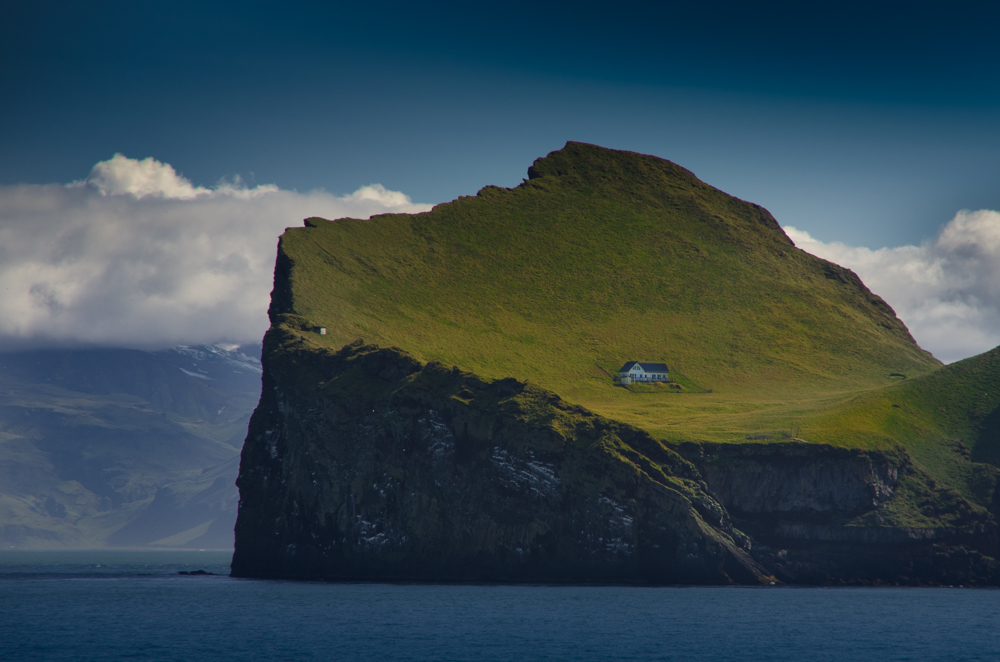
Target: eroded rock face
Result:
[365, 464]
[815, 514]
[796, 478]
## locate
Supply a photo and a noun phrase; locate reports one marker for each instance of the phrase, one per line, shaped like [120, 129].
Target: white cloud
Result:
[138, 256]
[947, 291]
[379, 194]
[121, 175]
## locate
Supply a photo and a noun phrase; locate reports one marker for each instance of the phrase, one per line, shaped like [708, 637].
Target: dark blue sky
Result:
[865, 123]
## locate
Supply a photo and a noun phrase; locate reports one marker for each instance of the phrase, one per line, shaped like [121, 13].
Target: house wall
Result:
[642, 376]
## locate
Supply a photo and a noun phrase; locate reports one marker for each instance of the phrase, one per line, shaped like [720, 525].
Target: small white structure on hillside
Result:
[633, 372]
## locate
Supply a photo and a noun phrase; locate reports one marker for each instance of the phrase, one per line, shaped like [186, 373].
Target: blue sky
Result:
[860, 122]
[868, 124]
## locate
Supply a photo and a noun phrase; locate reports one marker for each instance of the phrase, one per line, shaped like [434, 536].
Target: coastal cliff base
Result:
[365, 464]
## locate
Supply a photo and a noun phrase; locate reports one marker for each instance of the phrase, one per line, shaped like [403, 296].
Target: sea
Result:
[124, 605]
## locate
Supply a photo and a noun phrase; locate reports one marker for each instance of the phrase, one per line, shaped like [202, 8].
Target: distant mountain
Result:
[123, 447]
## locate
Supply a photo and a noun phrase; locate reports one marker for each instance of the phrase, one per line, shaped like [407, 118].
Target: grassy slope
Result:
[948, 420]
[601, 257]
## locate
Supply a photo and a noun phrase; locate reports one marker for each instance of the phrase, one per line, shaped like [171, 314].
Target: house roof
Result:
[648, 367]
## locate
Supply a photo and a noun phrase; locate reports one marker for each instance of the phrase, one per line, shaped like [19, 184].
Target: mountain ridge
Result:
[510, 280]
[598, 257]
[121, 447]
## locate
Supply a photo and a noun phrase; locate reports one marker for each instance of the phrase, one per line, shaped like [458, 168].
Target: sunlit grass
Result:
[605, 257]
[608, 257]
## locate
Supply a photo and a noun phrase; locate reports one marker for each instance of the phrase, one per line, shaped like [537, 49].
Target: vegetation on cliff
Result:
[602, 257]
[787, 365]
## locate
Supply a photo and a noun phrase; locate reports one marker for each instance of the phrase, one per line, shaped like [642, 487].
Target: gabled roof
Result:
[648, 367]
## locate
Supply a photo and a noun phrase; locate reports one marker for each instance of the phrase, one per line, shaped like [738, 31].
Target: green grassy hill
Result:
[600, 257]
[947, 420]
[846, 452]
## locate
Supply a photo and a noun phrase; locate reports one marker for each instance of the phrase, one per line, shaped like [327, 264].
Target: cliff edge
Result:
[476, 434]
[365, 464]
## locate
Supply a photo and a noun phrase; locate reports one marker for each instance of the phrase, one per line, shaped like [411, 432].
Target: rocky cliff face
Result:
[365, 464]
[797, 478]
[819, 514]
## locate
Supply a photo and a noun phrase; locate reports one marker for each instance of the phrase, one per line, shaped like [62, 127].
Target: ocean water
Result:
[135, 606]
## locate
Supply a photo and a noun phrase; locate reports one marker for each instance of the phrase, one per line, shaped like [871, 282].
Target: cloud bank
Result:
[137, 256]
[947, 290]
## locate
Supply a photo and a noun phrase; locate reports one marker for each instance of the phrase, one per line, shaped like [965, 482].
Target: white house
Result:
[633, 371]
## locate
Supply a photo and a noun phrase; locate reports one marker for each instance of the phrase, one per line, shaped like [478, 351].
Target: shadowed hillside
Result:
[122, 447]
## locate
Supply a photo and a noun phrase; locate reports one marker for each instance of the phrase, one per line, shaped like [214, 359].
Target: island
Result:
[439, 400]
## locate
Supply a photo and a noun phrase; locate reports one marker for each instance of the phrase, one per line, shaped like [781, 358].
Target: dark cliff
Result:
[365, 464]
[820, 514]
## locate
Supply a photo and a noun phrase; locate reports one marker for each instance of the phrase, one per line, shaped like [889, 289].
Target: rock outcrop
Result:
[796, 477]
[819, 514]
[367, 465]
